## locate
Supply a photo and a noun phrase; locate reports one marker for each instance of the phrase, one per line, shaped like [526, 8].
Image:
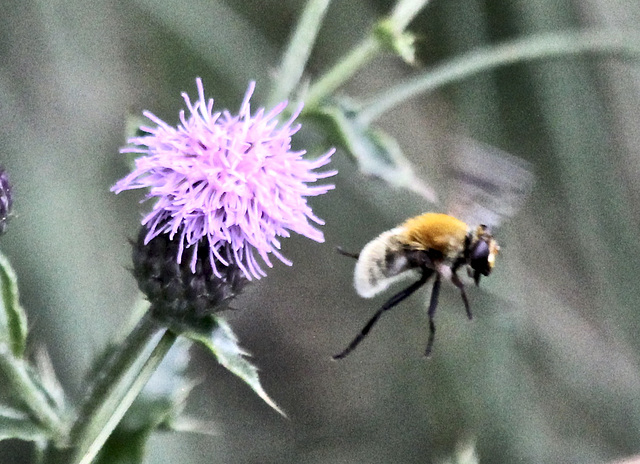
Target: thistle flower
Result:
[231, 183]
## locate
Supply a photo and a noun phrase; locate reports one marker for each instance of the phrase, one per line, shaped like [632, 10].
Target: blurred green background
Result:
[549, 370]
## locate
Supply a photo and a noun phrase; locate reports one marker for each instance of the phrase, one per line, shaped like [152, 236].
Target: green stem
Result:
[530, 48]
[401, 15]
[297, 53]
[404, 11]
[119, 383]
[362, 54]
[22, 384]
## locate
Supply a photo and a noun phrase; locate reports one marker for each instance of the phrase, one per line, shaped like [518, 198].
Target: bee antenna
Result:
[346, 253]
[393, 301]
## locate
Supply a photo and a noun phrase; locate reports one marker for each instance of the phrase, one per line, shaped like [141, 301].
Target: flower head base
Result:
[233, 180]
[179, 297]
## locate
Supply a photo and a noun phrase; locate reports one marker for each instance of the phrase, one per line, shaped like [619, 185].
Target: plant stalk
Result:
[359, 56]
[297, 53]
[530, 48]
[401, 15]
[118, 384]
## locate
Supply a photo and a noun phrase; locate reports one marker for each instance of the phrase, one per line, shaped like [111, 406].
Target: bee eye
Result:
[479, 258]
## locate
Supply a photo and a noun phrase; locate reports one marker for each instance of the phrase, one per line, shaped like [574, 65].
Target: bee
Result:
[491, 185]
[430, 245]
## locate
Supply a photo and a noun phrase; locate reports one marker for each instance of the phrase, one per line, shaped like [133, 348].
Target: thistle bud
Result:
[179, 297]
[6, 200]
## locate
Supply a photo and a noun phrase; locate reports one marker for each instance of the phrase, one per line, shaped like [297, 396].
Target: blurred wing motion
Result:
[488, 184]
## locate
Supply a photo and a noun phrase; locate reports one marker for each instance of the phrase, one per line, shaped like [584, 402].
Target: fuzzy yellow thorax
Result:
[436, 231]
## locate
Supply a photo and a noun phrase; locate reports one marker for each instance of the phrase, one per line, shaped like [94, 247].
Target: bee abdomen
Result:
[381, 263]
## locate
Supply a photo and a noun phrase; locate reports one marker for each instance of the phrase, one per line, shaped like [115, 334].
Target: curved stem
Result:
[32, 396]
[530, 48]
[359, 56]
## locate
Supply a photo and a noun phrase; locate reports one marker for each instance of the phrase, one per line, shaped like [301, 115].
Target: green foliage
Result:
[13, 319]
[124, 447]
[222, 342]
[375, 152]
[400, 43]
[37, 393]
[18, 424]
[157, 407]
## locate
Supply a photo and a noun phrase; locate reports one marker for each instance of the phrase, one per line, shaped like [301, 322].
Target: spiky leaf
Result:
[13, 320]
[17, 424]
[223, 343]
[377, 153]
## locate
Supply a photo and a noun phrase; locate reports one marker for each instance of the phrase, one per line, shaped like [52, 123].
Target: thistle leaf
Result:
[223, 343]
[124, 447]
[13, 319]
[377, 153]
[17, 424]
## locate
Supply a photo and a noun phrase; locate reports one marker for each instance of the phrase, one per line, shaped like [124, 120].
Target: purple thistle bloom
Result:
[231, 179]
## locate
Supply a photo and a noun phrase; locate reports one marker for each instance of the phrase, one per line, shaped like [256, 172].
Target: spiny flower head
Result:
[232, 180]
[180, 297]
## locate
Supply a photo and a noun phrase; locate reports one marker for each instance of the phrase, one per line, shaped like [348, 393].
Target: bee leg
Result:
[458, 283]
[394, 300]
[346, 253]
[433, 304]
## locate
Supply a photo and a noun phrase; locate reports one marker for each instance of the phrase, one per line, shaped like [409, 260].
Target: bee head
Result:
[481, 253]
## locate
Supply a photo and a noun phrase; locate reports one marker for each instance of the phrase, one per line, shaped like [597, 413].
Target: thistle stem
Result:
[539, 46]
[404, 11]
[359, 56]
[296, 56]
[22, 383]
[401, 15]
[119, 382]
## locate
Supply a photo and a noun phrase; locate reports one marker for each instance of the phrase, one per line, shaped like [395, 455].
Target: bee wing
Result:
[489, 184]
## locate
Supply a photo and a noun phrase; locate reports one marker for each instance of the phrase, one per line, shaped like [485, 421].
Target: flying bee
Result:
[430, 245]
[492, 184]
